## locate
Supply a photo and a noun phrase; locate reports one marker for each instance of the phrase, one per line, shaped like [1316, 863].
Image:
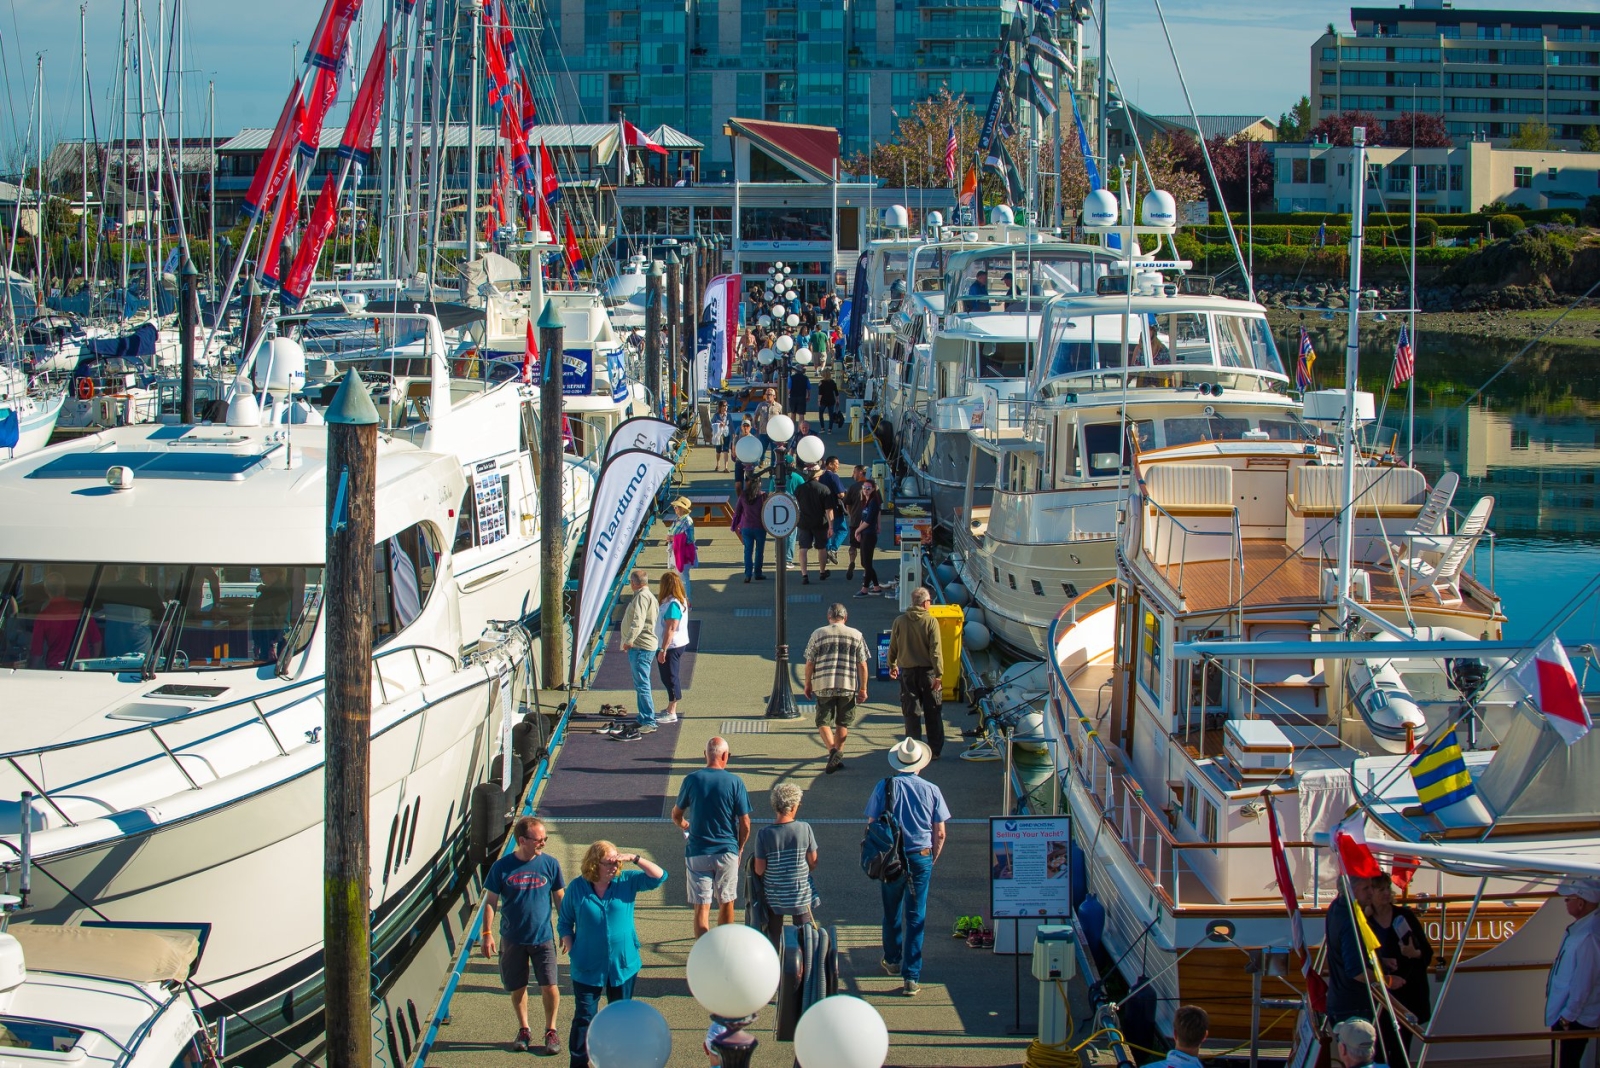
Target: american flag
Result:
[1303, 365]
[950, 154]
[1405, 361]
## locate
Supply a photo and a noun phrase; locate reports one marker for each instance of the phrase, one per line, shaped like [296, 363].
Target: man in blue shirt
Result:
[713, 809]
[919, 809]
[526, 886]
[1190, 1026]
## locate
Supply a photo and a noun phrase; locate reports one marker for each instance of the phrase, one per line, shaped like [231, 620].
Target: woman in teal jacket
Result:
[598, 934]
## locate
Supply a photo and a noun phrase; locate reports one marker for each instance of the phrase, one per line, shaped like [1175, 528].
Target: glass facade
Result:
[848, 64]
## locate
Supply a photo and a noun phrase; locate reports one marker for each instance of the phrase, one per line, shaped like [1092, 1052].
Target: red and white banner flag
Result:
[530, 356]
[1316, 988]
[1551, 683]
[721, 309]
[1350, 840]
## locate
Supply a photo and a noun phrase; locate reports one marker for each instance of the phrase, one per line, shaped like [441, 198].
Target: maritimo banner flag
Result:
[721, 310]
[641, 432]
[623, 496]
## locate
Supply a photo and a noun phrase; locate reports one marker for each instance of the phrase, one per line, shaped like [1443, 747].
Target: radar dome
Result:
[1002, 215]
[935, 220]
[285, 366]
[1159, 209]
[895, 217]
[1100, 208]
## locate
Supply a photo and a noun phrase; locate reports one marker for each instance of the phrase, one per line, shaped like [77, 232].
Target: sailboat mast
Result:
[83, 150]
[211, 186]
[473, 34]
[1411, 319]
[1352, 357]
[150, 255]
[414, 172]
[122, 172]
[1104, 139]
[38, 180]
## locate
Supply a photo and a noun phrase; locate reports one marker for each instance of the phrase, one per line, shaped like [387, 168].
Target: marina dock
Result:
[624, 792]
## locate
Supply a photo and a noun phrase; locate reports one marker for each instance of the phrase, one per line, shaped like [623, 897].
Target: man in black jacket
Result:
[1348, 993]
[814, 503]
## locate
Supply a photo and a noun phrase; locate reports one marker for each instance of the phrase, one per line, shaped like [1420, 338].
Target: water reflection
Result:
[1531, 440]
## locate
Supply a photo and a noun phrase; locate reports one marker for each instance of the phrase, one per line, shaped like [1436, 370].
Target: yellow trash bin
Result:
[951, 619]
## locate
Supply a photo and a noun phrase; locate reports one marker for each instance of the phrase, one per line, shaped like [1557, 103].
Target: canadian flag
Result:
[1350, 839]
[1551, 683]
[637, 138]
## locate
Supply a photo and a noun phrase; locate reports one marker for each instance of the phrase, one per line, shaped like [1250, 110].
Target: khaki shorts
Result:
[713, 879]
[836, 711]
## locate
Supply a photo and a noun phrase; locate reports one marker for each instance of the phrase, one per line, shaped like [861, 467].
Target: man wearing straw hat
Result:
[919, 809]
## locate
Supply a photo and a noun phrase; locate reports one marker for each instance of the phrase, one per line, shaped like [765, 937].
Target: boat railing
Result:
[56, 772]
[1004, 418]
[1167, 544]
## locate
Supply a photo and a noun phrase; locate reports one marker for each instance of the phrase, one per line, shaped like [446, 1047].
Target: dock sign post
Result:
[779, 515]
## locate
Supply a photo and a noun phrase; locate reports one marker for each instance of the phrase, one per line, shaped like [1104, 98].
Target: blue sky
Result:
[1239, 56]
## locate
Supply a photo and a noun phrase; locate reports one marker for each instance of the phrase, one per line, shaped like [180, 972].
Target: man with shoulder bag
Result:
[906, 818]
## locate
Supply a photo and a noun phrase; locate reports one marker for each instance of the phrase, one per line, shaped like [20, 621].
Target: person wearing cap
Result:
[919, 810]
[684, 554]
[916, 658]
[1190, 1027]
[1572, 993]
[1353, 1043]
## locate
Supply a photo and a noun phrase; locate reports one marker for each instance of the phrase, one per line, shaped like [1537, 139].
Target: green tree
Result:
[1295, 124]
[1533, 135]
[1590, 141]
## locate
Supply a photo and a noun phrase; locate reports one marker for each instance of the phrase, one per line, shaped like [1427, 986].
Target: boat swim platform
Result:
[623, 792]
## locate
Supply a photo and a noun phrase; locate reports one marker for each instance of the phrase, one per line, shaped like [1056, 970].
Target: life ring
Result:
[86, 389]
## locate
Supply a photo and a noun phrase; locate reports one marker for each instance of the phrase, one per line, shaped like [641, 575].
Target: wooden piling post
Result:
[652, 334]
[552, 542]
[188, 319]
[348, 585]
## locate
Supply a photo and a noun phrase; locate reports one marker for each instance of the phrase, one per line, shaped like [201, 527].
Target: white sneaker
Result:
[664, 718]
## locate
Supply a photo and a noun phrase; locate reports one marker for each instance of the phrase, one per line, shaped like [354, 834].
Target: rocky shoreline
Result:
[1280, 291]
[1581, 326]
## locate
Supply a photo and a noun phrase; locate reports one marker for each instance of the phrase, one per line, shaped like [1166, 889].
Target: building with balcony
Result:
[1316, 177]
[852, 65]
[1486, 71]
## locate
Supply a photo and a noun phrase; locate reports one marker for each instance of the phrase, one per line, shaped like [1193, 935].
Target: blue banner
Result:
[619, 376]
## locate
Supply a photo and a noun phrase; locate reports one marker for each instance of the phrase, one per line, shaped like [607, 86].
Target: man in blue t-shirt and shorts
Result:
[526, 886]
[713, 809]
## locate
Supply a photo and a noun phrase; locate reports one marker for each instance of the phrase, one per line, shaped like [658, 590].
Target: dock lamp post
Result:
[733, 972]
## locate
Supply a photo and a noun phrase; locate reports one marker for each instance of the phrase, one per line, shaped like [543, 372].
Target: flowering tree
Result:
[1417, 129]
[1335, 129]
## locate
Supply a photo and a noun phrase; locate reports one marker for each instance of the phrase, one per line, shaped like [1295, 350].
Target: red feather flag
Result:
[288, 210]
[549, 181]
[574, 253]
[269, 172]
[356, 144]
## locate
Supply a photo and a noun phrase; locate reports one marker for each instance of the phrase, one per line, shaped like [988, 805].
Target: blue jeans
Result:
[755, 551]
[905, 915]
[640, 660]
[585, 1005]
[840, 535]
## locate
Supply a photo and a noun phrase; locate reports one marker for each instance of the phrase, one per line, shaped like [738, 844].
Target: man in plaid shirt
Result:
[836, 676]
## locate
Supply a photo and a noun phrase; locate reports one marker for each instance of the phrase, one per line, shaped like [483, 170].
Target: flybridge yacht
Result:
[1168, 362]
[490, 424]
[980, 354]
[161, 622]
[1228, 667]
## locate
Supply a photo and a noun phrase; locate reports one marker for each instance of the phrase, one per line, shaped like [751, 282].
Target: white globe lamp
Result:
[802, 356]
[748, 449]
[780, 265]
[777, 310]
[629, 1034]
[792, 319]
[791, 295]
[733, 971]
[841, 1032]
[767, 356]
[810, 449]
[764, 320]
[784, 343]
[780, 428]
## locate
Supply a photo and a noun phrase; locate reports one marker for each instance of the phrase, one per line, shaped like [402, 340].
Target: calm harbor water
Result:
[1531, 440]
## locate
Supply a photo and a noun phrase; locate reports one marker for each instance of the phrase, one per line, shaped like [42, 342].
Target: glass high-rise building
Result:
[693, 64]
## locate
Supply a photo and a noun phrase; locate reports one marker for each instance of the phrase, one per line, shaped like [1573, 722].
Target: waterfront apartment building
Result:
[1316, 177]
[693, 64]
[1486, 71]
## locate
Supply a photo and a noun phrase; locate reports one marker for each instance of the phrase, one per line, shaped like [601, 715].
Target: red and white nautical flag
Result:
[1350, 839]
[530, 356]
[1316, 987]
[1551, 683]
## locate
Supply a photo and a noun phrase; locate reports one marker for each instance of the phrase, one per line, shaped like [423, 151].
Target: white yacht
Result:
[980, 355]
[1050, 463]
[27, 415]
[164, 643]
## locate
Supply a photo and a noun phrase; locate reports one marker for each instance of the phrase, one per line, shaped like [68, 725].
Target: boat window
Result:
[1181, 431]
[1280, 429]
[1150, 654]
[1245, 341]
[1191, 800]
[464, 535]
[1107, 448]
[894, 267]
[1208, 820]
[1090, 343]
[403, 568]
[107, 617]
[1002, 359]
[1188, 338]
[42, 1037]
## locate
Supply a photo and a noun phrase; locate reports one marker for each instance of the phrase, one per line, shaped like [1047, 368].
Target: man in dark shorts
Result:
[526, 886]
[836, 675]
[814, 503]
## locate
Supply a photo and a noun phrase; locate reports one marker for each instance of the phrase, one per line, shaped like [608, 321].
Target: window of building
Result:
[1522, 58]
[1319, 171]
[1413, 55]
[1526, 33]
[1519, 439]
[1488, 33]
[784, 224]
[1552, 174]
[1300, 171]
[1450, 32]
[1329, 103]
[1569, 33]
[1329, 55]
[1574, 59]
[1328, 77]
[1522, 177]
[1519, 106]
[1456, 177]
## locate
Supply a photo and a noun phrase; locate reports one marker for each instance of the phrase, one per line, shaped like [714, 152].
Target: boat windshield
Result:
[1011, 280]
[107, 617]
[1091, 343]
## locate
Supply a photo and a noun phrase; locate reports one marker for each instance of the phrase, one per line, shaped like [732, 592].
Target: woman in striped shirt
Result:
[786, 851]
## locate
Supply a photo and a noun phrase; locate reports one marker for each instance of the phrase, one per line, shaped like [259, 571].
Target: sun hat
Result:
[683, 504]
[909, 757]
[1588, 889]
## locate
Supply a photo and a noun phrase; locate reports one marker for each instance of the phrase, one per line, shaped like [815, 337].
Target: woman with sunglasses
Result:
[599, 936]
